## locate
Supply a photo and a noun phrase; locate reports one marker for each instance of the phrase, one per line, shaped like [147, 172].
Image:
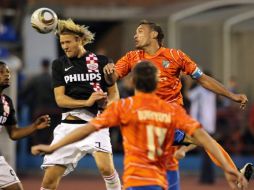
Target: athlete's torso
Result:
[170, 63]
[7, 112]
[80, 76]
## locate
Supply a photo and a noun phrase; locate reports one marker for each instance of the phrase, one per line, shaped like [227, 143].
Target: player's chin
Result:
[69, 54]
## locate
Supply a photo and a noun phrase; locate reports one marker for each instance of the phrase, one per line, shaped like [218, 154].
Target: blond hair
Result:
[69, 27]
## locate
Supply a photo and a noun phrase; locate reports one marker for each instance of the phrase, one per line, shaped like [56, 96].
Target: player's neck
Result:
[136, 91]
[82, 52]
[152, 49]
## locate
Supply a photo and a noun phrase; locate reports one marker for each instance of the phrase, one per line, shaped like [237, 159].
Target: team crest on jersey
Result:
[92, 66]
[92, 62]
[165, 63]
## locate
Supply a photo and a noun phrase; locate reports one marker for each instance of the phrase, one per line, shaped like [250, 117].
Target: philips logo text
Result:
[82, 77]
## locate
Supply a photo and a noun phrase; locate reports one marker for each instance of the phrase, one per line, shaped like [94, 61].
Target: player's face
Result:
[4, 76]
[143, 36]
[70, 44]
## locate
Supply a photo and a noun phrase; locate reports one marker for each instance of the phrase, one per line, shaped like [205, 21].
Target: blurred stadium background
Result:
[217, 34]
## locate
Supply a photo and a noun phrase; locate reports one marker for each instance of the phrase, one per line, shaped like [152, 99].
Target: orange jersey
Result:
[147, 125]
[170, 63]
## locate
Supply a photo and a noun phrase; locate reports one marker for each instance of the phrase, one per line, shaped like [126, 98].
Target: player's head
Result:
[4, 76]
[147, 33]
[144, 77]
[73, 37]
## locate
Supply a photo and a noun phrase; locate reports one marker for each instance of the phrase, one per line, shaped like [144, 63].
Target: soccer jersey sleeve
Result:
[11, 119]
[188, 66]
[57, 74]
[183, 121]
[123, 65]
[110, 117]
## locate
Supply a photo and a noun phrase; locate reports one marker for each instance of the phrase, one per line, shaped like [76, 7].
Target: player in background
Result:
[170, 63]
[82, 92]
[148, 125]
[8, 177]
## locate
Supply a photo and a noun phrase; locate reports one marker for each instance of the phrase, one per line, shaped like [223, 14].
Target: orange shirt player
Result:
[170, 63]
[147, 124]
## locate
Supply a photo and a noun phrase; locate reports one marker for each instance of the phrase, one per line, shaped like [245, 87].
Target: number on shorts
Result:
[155, 133]
[98, 144]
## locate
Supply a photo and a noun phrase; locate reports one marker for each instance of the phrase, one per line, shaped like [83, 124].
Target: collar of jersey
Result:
[87, 53]
[159, 51]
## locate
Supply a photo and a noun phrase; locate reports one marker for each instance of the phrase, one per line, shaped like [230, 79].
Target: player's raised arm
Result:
[216, 87]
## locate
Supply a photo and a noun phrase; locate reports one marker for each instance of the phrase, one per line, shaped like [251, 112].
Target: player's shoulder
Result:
[124, 104]
[102, 59]
[174, 51]
[59, 60]
[134, 53]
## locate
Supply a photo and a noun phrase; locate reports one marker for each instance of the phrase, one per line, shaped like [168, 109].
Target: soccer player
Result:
[81, 91]
[170, 63]
[8, 177]
[147, 124]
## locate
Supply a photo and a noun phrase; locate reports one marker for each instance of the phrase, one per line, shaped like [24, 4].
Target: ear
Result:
[78, 39]
[154, 34]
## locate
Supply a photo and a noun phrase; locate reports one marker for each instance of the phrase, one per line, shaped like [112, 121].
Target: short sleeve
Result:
[123, 65]
[110, 117]
[189, 67]
[57, 74]
[183, 121]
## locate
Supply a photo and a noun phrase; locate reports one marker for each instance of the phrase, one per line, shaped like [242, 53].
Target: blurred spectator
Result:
[39, 97]
[7, 33]
[203, 108]
[230, 120]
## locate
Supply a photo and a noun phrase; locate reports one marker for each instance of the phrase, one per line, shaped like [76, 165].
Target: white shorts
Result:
[7, 174]
[69, 155]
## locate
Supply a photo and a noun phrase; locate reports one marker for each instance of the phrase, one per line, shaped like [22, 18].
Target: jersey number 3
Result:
[155, 140]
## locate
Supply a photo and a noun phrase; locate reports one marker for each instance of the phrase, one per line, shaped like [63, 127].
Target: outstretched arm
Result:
[16, 133]
[216, 87]
[233, 177]
[74, 136]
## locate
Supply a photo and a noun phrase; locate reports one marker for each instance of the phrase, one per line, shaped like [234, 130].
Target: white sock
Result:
[112, 182]
[42, 188]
